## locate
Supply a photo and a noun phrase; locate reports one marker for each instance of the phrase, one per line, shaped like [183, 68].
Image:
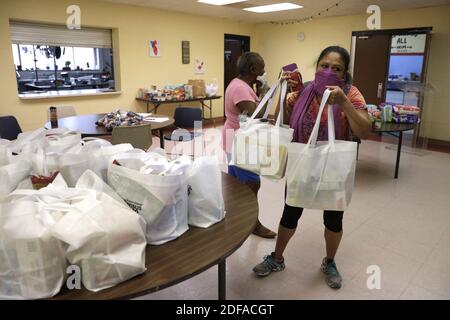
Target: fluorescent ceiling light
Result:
[220, 2]
[274, 7]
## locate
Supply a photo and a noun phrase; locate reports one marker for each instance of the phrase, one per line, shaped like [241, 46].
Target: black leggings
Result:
[331, 219]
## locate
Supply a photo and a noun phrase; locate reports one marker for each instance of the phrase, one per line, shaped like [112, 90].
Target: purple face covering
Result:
[322, 79]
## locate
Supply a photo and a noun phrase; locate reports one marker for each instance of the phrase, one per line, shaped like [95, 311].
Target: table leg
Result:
[222, 280]
[161, 138]
[399, 150]
[210, 110]
[155, 107]
[203, 108]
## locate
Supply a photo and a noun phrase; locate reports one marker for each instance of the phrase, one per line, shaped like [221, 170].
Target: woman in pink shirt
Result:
[240, 98]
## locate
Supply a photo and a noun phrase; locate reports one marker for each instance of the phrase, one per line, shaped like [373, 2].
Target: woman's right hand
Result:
[286, 76]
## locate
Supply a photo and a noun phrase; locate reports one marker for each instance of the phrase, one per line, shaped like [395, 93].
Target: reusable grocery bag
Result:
[206, 205]
[11, 175]
[320, 175]
[260, 147]
[160, 198]
[32, 261]
[103, 236]
[94, 156]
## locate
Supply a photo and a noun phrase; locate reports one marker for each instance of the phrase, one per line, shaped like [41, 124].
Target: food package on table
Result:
[120, 119]
[405, 118]
[374, 113]
[198, 88]
[386, 113]
[403, 109]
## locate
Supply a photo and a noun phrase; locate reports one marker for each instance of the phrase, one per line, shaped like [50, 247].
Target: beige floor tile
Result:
[434, 279]
[349, 291]
[396, 273]
[411, 247]
[439, 258]
[416, 293]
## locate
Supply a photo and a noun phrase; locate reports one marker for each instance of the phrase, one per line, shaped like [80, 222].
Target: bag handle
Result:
[38, 162]
[270, 98]
[280, 119]
[331, 128]
[315, 132]
[264, 100]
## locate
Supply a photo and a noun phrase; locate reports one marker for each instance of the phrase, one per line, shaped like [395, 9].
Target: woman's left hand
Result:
[337, 96]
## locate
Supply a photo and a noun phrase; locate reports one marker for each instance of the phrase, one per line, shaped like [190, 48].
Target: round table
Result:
[86, 125]
[390, 127]
[195, 251]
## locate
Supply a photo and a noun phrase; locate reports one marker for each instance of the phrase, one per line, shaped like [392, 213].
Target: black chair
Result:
[185, 120]
[9, 128]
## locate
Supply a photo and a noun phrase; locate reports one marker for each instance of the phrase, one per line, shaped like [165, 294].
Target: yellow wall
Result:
[278, 46]
[135, 26]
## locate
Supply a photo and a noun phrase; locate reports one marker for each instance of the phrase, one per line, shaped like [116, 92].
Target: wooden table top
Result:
[394, 127]
[86, 124]
[194, 252]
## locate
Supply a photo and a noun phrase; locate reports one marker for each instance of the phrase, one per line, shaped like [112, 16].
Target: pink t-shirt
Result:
[237, 91]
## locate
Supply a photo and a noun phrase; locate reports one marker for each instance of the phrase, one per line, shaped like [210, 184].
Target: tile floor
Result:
[402, 226]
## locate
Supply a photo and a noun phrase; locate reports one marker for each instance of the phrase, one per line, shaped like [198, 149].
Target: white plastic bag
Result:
[321, 176]
[260, 147]
[96, 157]
[62, 143]
[161, 199]
[5, 152]
[212, 88]
[11, 175]
[206, 205]
[104, 237]
[32, 262]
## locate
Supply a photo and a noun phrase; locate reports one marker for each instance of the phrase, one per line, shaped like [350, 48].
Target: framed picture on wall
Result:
[155, 48]
[199, 66]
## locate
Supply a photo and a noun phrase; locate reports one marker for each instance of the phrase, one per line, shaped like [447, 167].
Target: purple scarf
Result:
[316, 88]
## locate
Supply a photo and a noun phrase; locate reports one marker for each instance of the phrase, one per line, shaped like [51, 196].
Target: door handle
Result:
[380, 90]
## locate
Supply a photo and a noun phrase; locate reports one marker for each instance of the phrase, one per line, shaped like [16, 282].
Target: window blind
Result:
[59, 35]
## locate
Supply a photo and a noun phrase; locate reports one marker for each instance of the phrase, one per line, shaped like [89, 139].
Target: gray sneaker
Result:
[333, 278]
[268, 266]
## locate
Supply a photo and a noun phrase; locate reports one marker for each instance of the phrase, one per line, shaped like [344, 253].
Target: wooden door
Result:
[371, 66]
[234, 47]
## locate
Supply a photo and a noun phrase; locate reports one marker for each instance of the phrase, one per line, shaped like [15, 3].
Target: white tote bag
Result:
[260, 147]
[206, 205]
[93, 155]
[6, 154]
[11, 175]
[104, 237]
[162, 200]
[320, 175]
[32, 262]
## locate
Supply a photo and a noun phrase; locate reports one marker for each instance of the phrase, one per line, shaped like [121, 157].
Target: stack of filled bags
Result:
[43, 231]
[47, 223]
[57, 210]
[169, 195]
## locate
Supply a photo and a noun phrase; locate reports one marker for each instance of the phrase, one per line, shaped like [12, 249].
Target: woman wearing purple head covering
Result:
[351, 119]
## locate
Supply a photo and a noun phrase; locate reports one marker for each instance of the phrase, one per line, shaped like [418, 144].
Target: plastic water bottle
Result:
[53, 117]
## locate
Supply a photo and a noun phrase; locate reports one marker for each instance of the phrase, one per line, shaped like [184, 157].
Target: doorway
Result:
[235, 46]
[390, 66]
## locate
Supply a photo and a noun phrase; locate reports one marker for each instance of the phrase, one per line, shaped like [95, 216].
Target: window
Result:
[54, 58]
